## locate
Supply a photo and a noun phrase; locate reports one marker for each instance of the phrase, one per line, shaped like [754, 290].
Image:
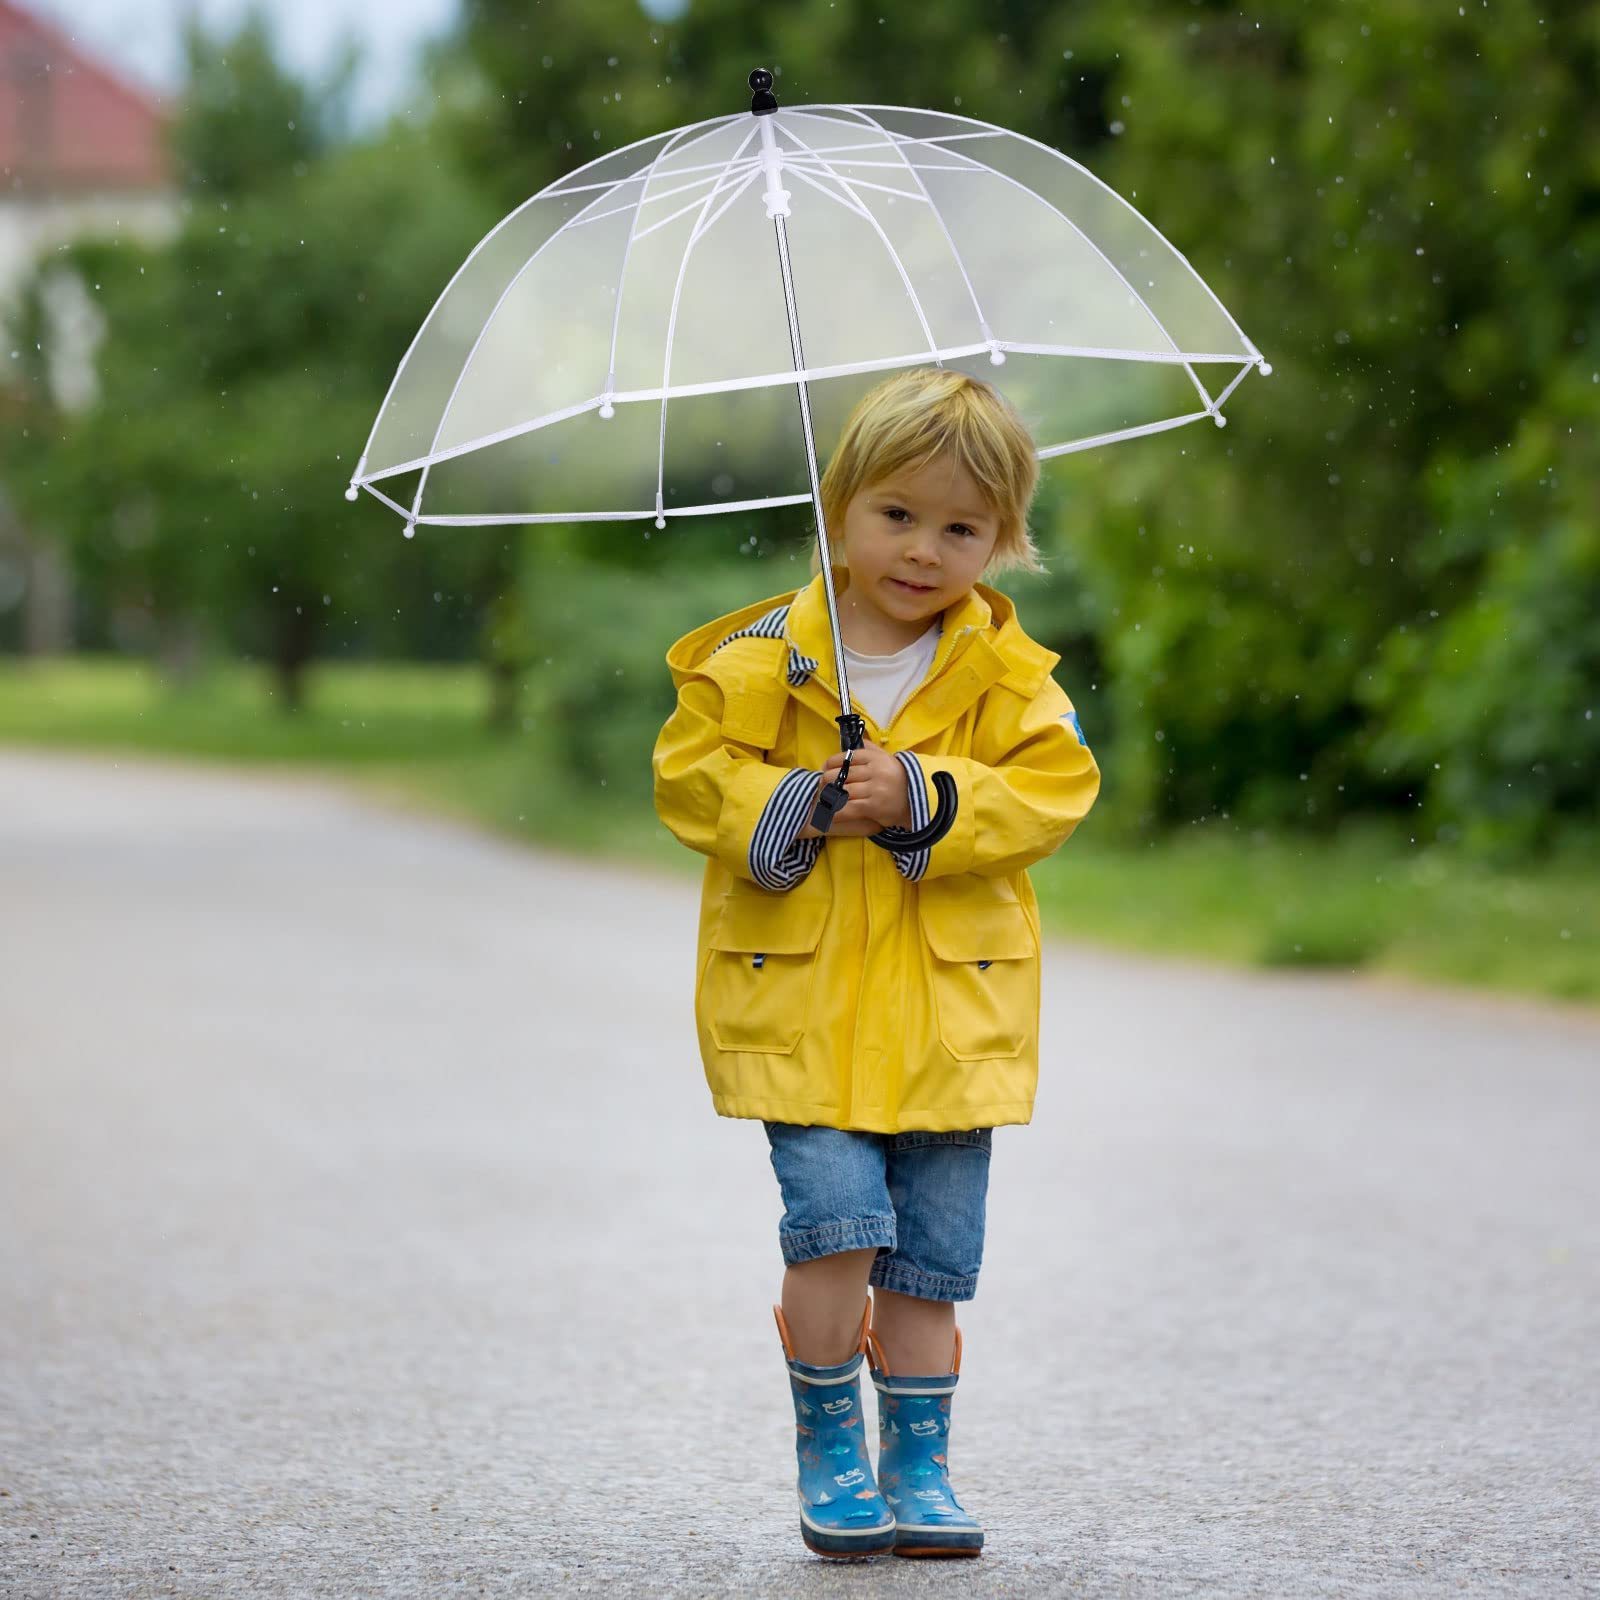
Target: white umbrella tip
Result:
[1218, 418]
[352, 493]
[661, 522]
[608, 410]
[1266, 369]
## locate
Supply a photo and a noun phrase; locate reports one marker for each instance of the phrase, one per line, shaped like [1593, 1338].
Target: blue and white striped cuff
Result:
[913, 863]
[777, 859]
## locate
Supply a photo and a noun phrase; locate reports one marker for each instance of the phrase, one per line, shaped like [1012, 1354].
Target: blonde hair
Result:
[922, 412]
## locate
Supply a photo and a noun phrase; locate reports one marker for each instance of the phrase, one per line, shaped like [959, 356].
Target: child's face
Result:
[918, 541]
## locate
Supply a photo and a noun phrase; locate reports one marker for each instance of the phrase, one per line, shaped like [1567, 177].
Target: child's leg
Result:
[939, 1184]
[917, 1335]
[822, 1301]
[837, 1216]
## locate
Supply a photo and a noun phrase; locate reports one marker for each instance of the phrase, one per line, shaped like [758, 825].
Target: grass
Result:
[417, 734]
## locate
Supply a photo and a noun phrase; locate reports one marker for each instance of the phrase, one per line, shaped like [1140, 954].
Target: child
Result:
[879, 1011]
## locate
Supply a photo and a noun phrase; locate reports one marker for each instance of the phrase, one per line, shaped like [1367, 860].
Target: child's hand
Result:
[847, 824]
[877, 795]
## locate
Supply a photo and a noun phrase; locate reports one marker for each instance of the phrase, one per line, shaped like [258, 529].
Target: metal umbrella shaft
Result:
[852, 731]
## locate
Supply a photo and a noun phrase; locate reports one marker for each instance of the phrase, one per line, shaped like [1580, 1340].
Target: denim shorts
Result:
[919, 1197]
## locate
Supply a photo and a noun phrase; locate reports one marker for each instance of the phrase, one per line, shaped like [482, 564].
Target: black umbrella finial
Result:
[762, 100]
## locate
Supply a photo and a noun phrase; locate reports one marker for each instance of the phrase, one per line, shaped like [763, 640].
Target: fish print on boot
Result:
[841, 1511]
[914, 1460]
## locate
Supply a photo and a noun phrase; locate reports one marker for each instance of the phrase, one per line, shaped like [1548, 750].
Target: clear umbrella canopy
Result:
[620, 346]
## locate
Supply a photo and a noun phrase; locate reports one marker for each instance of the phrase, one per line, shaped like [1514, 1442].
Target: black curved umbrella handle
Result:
[942, 821]
[831, 799]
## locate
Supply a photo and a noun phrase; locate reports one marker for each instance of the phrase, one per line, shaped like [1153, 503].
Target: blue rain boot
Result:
[841, 1511]
[914, 1460]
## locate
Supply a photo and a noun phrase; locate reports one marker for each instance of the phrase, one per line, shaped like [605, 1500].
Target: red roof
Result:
[68, 123]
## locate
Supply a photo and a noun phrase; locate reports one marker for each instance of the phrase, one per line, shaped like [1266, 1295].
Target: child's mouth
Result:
[912, 588]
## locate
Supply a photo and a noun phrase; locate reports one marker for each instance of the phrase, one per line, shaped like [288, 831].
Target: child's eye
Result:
[891, 511]
[961, 527]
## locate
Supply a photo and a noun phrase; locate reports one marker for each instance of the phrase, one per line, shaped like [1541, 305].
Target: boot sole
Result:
[848, 1546]
[968, 1543]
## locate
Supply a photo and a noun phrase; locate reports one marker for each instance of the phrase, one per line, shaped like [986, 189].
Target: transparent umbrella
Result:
[668, 330]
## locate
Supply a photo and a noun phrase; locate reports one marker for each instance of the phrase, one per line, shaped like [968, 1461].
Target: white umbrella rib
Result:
[510, 216]
[500, 518]
[1233, 384]
[393, 505]
[1124, 433]
[697, 185]
[779, 126]
[455, 388]
[991, 130]
[709, 125]
[977, 309]
[717, 179]
[672, 324]
[749, 168]
[978, 166]
[854, 207]
[839, 369]
[516, 278]
[797, 165]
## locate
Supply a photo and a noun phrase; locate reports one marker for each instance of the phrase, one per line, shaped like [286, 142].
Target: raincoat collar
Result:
[809, 633]
[980, 643]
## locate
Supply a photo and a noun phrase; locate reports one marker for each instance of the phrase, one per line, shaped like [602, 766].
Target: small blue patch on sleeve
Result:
[1072, 717]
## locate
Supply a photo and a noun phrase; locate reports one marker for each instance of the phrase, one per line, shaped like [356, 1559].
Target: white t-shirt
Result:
[882, 684]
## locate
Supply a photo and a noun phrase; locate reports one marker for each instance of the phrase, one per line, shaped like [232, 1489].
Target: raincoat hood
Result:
[983, 625]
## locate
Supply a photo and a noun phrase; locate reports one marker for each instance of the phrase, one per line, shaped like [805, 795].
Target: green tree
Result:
[243, 367]
[245, 122]
[1399, 202]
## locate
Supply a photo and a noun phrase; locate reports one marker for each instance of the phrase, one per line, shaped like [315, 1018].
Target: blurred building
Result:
[82, 151]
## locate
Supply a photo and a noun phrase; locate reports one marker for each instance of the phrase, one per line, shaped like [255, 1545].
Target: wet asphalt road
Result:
[367, 1231]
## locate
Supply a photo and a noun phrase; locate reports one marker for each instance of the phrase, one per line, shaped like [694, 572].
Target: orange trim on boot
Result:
[783, 1334]
[859, 1347]
[875, 1355]
[875, 1351]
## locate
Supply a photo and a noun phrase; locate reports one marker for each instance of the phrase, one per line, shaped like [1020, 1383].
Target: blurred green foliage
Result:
[417, 734]
[1376, 594]
[241, 370]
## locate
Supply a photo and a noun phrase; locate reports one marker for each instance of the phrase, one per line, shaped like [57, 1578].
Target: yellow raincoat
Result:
[837, 983]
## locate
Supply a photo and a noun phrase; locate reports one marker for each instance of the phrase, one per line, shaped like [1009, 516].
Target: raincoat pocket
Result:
[755, 991]
[984, 967]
